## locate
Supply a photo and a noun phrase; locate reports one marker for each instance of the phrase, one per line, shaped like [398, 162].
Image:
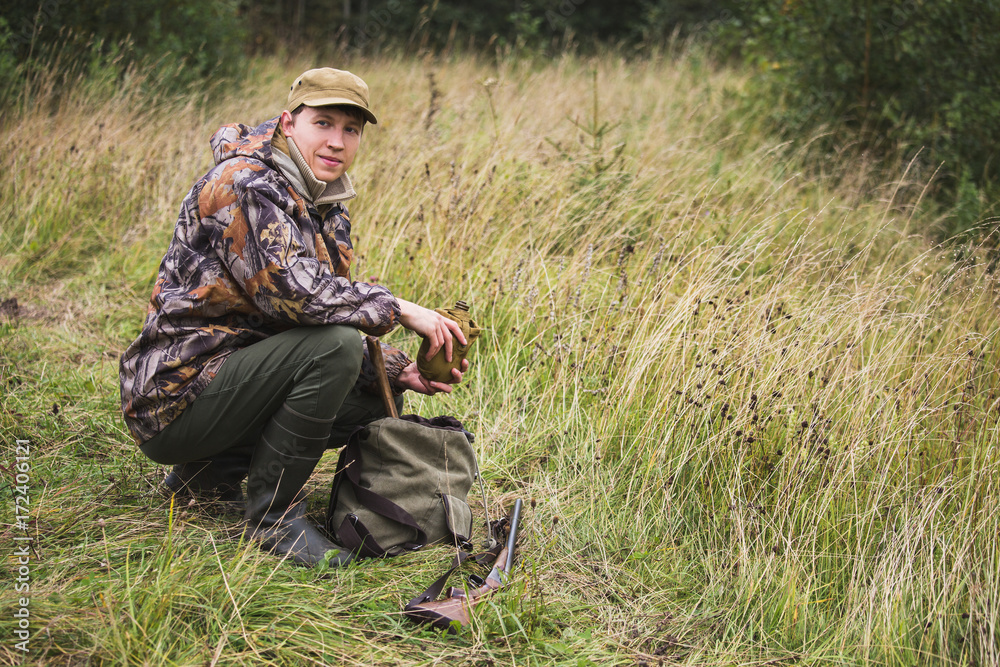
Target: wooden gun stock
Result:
[381, 379]
[460, 603]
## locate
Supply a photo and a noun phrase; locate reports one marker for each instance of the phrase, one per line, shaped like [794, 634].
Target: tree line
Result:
[921, 74]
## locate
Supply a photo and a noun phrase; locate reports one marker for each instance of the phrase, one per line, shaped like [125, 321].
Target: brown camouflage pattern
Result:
[249, 258]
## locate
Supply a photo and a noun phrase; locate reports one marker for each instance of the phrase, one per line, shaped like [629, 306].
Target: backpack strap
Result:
[355, 536]
[352, 532]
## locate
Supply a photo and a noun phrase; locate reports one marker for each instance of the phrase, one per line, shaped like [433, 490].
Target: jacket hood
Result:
[239, 140]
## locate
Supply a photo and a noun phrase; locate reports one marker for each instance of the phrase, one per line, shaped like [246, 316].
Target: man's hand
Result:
[434, 327]
[410, 378]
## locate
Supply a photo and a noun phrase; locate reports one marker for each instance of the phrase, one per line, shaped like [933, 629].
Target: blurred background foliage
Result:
[911, 80]
[916, 78]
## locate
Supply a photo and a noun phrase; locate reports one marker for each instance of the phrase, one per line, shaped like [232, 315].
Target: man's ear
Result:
[287, 122]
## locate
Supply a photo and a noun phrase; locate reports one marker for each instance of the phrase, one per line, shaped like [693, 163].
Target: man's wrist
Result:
[395, 383]
[404, 308]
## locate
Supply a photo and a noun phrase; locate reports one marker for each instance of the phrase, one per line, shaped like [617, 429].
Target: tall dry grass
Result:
[753, 409]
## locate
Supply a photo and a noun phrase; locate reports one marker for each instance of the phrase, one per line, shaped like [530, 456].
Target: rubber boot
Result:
[286, 454]
[216, 480]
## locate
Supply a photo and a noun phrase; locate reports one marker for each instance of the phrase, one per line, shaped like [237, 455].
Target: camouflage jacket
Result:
[250, 257]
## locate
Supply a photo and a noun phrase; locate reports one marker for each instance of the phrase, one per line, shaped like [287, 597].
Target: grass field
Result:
[752, 409]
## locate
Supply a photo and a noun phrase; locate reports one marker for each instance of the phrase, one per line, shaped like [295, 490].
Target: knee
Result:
[341, 347]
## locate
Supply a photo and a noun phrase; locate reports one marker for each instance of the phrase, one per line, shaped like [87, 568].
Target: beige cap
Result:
[326, 86]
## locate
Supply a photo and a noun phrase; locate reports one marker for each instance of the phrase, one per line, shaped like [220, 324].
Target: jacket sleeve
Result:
[395, 362]
[263, 249]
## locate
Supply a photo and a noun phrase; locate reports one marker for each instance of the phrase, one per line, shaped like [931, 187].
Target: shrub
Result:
[191, 39]
[920, 74]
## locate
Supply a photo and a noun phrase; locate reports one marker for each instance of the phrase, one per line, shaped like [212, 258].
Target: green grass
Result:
[752, 409]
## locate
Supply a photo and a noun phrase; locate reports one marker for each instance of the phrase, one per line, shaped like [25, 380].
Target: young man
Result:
[250, 362]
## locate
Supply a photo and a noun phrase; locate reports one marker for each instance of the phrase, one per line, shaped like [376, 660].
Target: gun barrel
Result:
[515, 522]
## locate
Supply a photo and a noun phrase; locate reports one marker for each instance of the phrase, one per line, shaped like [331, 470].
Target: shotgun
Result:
[458, 606]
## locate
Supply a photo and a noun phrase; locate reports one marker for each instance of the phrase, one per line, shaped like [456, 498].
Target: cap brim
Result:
[341, 101]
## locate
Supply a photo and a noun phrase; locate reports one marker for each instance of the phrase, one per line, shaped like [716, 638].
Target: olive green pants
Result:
[312, 369]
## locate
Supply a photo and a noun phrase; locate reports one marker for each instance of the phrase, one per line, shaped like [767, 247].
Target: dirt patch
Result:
[9, 310]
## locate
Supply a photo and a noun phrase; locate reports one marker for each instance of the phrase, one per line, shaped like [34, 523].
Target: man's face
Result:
[327, 137]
